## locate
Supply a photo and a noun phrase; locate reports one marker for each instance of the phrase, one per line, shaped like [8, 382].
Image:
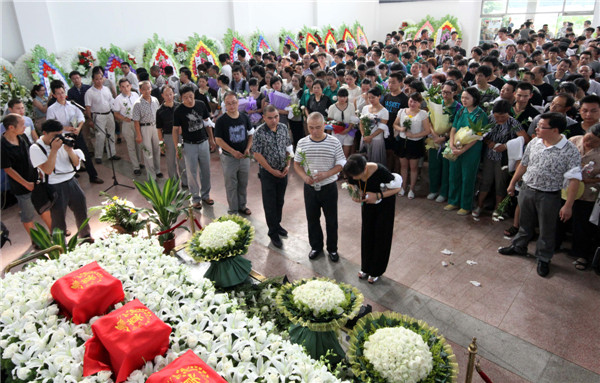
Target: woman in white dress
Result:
[374, 143]
[363, 100]
[354, 90]
[343, 111]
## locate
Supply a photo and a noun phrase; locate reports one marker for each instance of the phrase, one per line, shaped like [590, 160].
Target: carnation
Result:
[219, 234]
[399, 355]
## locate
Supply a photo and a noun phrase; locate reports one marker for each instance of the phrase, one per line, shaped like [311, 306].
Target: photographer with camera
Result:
[72, 121]
[54, 155]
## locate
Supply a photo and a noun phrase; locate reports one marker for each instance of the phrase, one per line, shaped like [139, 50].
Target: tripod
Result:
[110, 154]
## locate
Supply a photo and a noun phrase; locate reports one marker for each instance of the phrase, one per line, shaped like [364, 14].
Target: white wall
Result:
[467, 12]
[68, 24]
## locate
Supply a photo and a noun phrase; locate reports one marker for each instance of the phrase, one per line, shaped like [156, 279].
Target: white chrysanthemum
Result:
[219, 234]
[399, 355]
[23, 73]
[320, 296]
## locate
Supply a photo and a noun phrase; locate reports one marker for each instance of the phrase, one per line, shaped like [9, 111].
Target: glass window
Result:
[517, 6]
[547, 18]
[550, 5]
[579, 5]
[491, 7]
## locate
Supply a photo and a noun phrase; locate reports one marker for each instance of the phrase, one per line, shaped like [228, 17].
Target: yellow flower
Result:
[115, 198]
[409, 116]
[132, 211]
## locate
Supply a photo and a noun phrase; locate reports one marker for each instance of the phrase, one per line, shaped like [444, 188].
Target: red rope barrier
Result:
[482, 374]
[173, 228]
[198, 224]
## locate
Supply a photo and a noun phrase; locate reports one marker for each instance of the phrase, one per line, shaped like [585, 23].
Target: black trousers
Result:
[314, 201]
[89, 161]
[69, 195]
[273, 193]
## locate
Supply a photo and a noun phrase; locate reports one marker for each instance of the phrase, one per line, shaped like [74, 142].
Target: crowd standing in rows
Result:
[537, 95]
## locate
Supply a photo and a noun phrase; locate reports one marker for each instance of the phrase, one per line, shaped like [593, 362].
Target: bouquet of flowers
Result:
[279, 100]
[476, 131]
[434, 94]
[121, 214]
[353, 190]
[85, 62]
[407, 123]
[337, 126]
[389, 347]
[369, 123]
[317, 308]
[180, 52]
[294, 110]
[304, 162]
[222, 242]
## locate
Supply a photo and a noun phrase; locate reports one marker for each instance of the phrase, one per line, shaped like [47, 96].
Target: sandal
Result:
[197, 205]
[245, 211]
[362, 275]
[373, 279]
[511, 231]
[209, 201]
[581, 264]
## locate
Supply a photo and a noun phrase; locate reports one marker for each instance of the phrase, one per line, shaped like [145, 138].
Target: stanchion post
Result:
[148, 230]
[191, 217]
[471, 364]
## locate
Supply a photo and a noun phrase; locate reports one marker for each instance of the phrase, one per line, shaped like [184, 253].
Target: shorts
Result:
[410, 149]
[28, 212]
[345, 139]
[390, 142]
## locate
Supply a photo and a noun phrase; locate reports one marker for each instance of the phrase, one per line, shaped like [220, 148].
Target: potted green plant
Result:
[44, 239]
[167, 205]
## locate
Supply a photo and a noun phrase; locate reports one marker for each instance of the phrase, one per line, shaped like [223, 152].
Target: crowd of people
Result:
[537, 95]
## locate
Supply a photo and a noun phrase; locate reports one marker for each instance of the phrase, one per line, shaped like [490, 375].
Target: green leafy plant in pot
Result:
[44, 239]
[167, 205]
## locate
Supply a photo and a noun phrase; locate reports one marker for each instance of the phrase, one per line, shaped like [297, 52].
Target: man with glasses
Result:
[549, 159]
[562, 103]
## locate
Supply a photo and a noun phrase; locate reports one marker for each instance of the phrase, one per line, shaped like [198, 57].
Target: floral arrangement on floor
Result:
[222, 243]
[389, 347]
[11, 88]
[38, 344]
[318, 308]
[124, 217]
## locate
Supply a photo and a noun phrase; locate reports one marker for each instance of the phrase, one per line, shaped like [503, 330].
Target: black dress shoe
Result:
[96, 180]
[333, 255]
[543, 268]
[115, 158]
[276, 241]
[511, 250]
[137, 172]
[314, 254]
[282, 232]
[159, 175]
[98, 160]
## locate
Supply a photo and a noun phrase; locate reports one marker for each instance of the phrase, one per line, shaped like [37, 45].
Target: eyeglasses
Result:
[446, 92]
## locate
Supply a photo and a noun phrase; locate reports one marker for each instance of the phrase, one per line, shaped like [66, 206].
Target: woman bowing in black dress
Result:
[378, 209]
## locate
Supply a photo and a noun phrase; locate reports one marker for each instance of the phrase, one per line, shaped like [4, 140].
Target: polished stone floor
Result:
[528, 328]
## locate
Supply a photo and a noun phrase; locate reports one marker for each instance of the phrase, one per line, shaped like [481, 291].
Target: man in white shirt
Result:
[98, 103]
[72, 121]
[60, 162]
[503, 41]
[129, 75]
[226, 65]
[122, 107]
[144, 120]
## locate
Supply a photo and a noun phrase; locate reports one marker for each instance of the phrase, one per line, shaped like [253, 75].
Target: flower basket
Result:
[222, 243]
[318, 308]
[363, 343]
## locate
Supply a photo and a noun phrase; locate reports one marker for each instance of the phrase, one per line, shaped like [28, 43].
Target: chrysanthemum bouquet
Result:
[121, 214]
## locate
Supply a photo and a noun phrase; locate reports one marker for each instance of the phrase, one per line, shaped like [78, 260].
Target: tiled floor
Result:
[554, 318]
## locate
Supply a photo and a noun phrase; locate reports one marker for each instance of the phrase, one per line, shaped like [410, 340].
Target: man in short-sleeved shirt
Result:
[191, 121]
[122, 107]
[233, 134]
[98, 104]
[324, 160]
[548, 161]
[144, 120]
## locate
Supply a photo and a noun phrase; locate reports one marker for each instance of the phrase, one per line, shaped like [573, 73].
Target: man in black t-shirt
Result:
[14, 147]
[233, 134]
[191, 121]
[393, 102]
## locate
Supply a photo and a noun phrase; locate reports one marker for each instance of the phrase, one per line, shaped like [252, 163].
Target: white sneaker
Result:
[440, 199]
[431, 196]
[411, 194]
[476, 212]
[401, 193]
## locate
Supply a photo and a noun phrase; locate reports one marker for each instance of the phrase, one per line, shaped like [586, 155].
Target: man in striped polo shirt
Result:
[318, 160]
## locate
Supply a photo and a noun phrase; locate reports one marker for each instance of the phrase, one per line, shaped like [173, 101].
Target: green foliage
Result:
[240, 246]
[193, 40]
[11, 88]
[37, 53]
[43, 239]
[228, 40]
[445, 368]
[167, 204]
[283, 33]
[150, 47]
[434, 94]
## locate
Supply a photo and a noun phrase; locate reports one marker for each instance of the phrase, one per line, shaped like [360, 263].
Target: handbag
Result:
[43, 195]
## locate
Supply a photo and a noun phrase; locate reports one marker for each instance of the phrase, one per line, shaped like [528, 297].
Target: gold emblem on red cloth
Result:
[86, 279]
[133, 319]
[190, 374]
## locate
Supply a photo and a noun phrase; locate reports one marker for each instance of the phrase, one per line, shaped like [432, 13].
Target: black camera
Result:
[67, 139]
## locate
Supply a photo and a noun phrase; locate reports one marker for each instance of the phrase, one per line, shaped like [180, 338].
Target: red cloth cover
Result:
[125, 340]
[87, 292]
[188, 368]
